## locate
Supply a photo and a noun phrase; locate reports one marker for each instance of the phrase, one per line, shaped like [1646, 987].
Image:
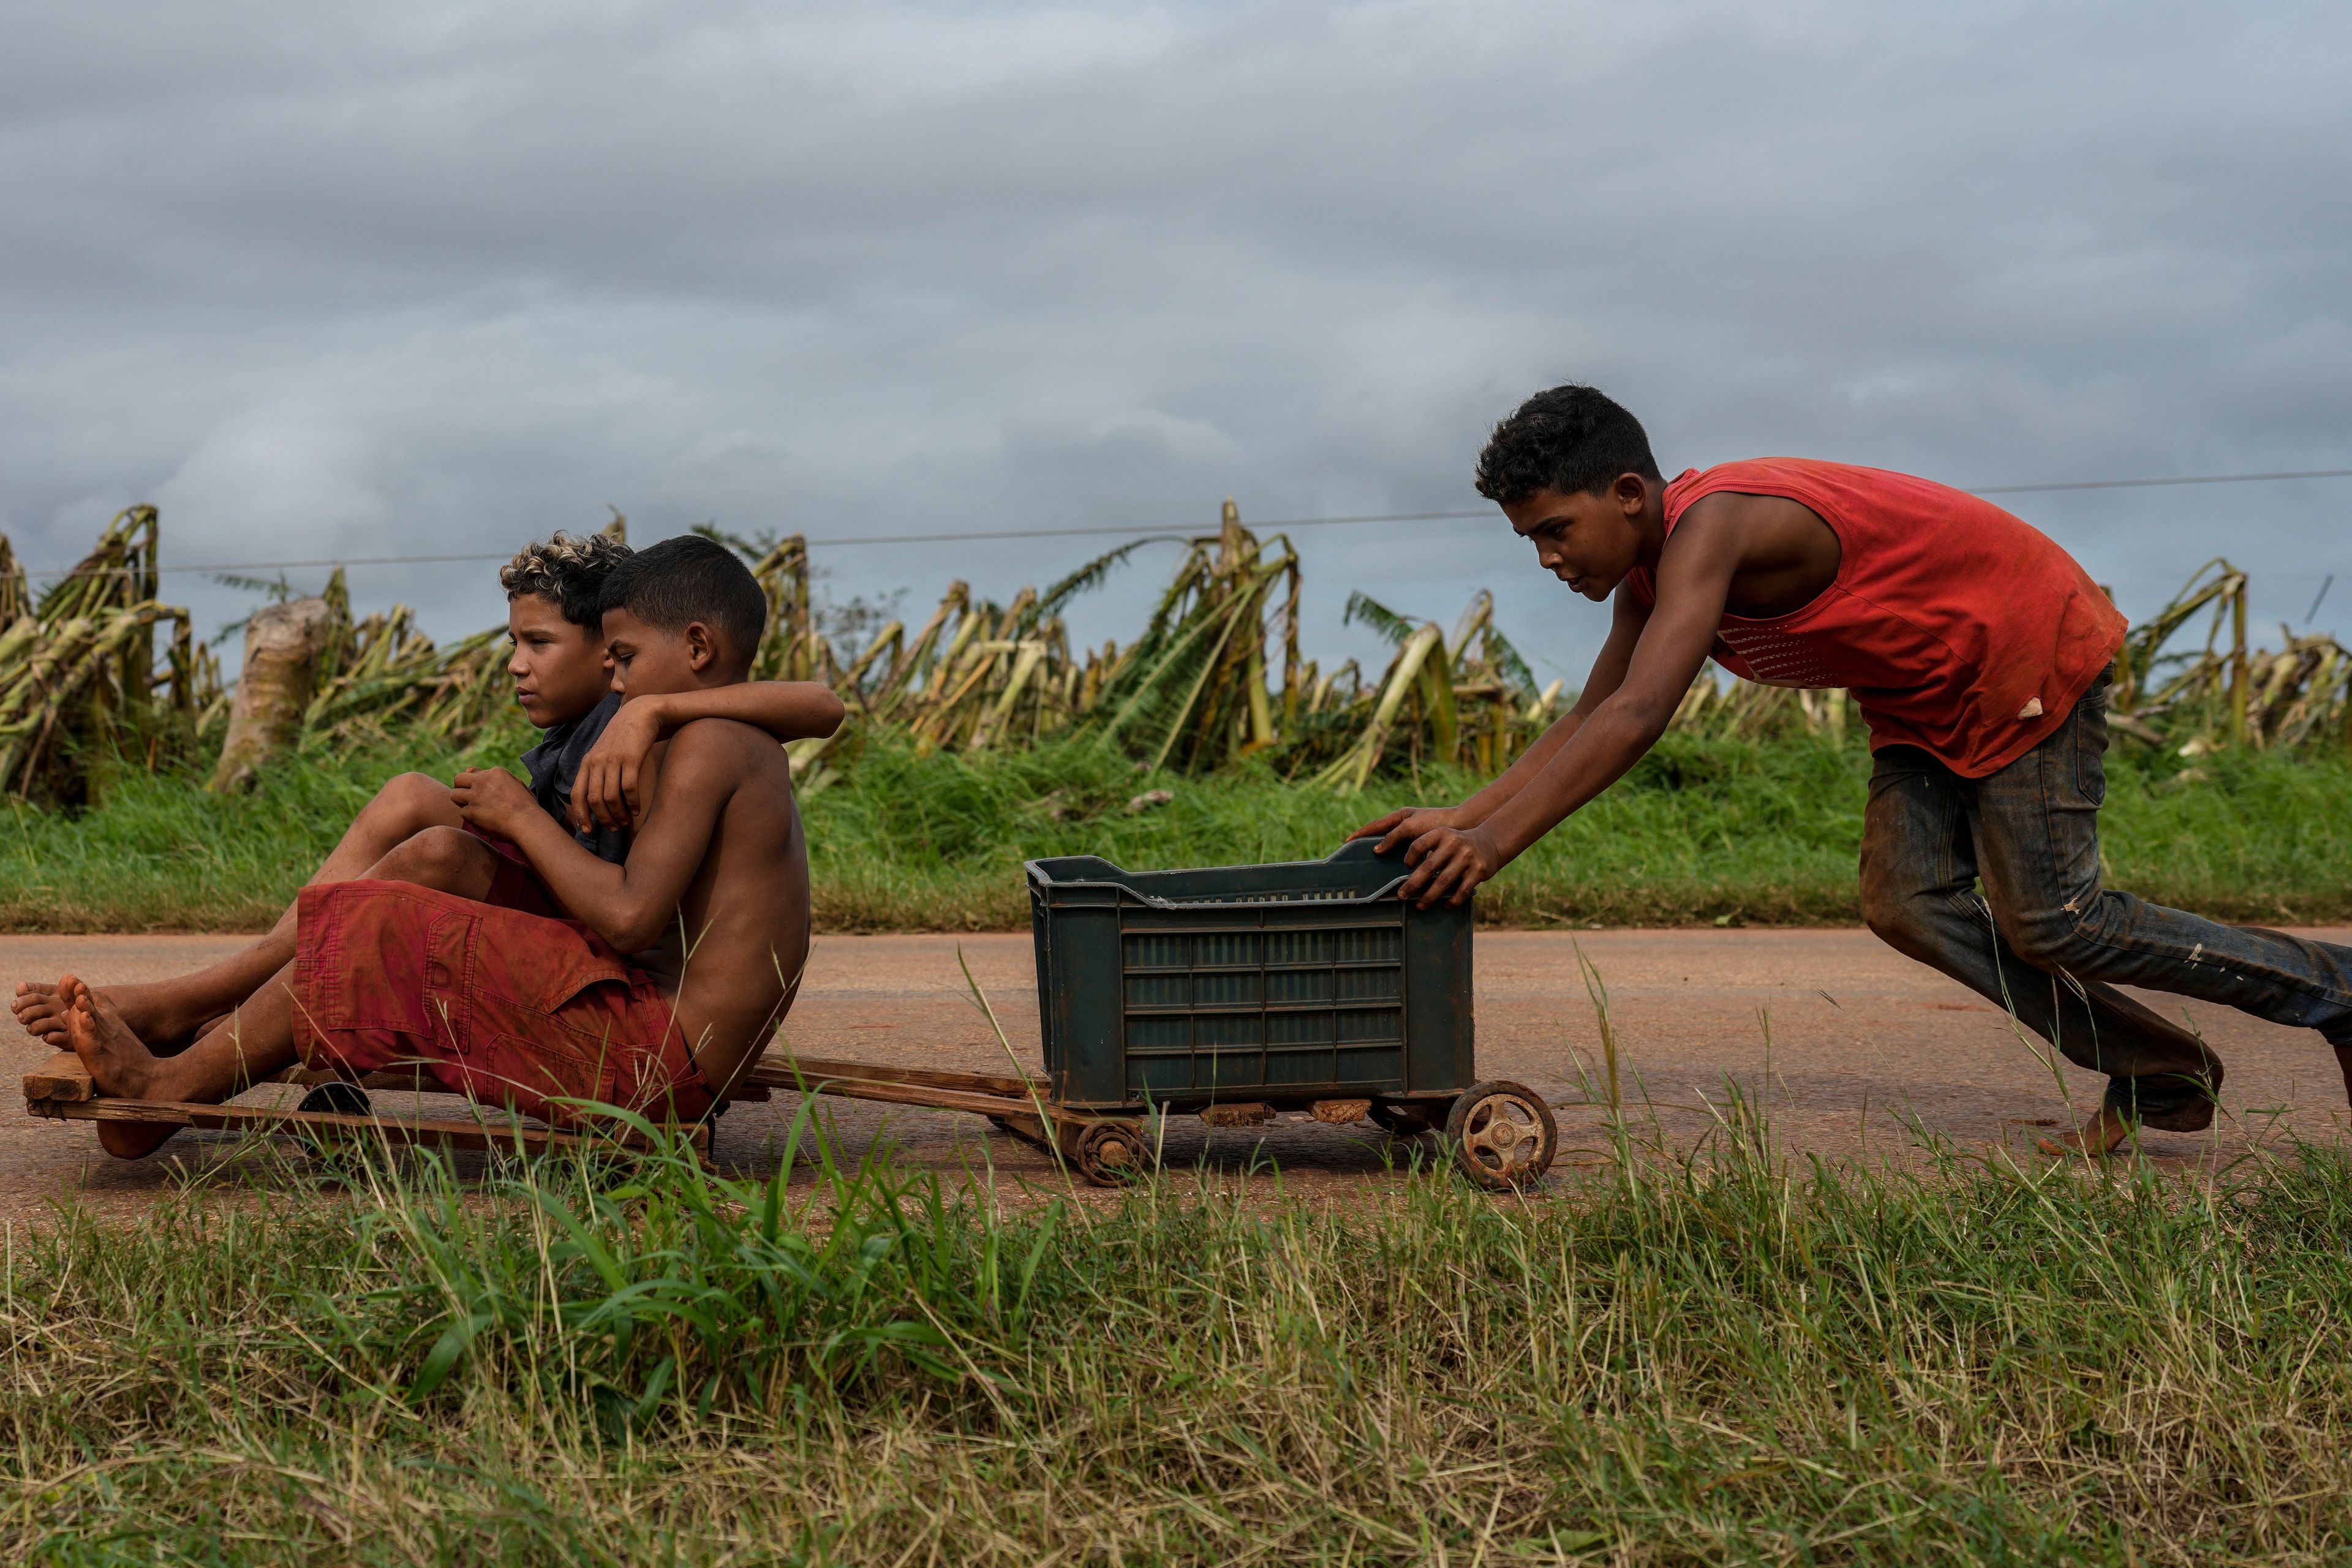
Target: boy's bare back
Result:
[744, 920]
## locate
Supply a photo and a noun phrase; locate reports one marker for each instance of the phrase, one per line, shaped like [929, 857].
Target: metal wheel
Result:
[1400, 1117]
[1501, 1134]
[1112, 1153]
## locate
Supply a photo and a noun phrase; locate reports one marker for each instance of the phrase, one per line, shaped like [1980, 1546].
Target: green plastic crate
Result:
[1280, 983]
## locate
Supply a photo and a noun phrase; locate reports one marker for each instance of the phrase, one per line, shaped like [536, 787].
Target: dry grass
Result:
[1716, 1358]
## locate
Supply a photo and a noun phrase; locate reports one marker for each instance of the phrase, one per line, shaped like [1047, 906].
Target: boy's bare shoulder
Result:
[726, 745]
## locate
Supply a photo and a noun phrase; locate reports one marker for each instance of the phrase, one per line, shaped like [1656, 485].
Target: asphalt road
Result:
[1853, 1049]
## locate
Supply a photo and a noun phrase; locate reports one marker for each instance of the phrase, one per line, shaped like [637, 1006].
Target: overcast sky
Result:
[324, 279]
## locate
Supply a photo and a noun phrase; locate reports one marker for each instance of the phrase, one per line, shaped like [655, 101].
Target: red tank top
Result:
[1959, 628]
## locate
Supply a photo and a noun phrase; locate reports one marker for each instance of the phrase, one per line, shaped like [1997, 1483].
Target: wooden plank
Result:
[60, 1078]
[930, 1099]
[63, 1091]
[335, 1124]
[775, 1070]
[758, 1082]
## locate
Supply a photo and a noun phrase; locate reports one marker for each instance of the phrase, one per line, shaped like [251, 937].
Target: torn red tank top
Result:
[1959, 628]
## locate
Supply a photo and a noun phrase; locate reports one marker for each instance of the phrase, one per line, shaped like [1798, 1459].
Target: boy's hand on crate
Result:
[1400, 828]
[1448, 865]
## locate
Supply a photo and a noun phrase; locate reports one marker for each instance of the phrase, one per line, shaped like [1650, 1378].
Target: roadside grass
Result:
[1718, 1357]
[1701, 831]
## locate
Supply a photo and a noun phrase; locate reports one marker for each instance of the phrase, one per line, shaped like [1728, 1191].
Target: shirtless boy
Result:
[1980, 654]
[673, 970]
[412, 831]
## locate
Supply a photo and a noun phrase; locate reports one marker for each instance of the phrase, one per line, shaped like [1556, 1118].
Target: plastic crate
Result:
[1279, 984]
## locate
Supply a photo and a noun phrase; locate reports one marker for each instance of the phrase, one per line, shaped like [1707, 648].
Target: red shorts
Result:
[502, 1006]
[514, 885]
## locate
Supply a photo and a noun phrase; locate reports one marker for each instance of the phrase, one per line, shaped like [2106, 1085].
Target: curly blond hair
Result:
[569, 569]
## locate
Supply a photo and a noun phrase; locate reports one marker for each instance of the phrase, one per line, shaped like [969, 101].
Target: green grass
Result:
[1701, 831]
[1710, 1359]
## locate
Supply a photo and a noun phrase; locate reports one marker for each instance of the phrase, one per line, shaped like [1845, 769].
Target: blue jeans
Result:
[2047, 942]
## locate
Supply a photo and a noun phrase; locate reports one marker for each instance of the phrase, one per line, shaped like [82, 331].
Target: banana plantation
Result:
[97, 671]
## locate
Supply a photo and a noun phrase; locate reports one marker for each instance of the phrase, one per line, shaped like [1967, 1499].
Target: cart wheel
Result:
[1400, 1117]
[1112, 1153]
[1501, 1134]
[341, 1097]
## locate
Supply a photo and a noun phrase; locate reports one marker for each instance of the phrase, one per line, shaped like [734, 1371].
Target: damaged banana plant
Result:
[1214, 679]
[2197, 700]
[80, 675]
[1468, 699]
[381, 674]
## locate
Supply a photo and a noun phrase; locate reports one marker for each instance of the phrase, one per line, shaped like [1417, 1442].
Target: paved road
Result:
[1865, 1049]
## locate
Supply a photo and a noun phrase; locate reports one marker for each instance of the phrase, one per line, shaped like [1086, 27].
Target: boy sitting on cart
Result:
[412, 831]
[672, 971]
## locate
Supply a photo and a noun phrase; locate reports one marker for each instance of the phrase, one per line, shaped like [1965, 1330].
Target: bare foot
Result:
[39, 1014]
[120, 1065]
[151, 1012]
[2097, 1138]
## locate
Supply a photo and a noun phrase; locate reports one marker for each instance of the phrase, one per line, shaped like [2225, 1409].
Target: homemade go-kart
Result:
[1237, 993]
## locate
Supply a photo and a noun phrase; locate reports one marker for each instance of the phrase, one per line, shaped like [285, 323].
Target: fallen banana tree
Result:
[79, 675]
[1214, 679]
[2224, 693]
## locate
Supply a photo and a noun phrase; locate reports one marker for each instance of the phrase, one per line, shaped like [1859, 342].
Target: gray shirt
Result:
[554, 767]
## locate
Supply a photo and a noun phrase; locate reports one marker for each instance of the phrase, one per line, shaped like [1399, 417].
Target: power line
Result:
[2152, 484]
[1131, 530]
[1120, 529]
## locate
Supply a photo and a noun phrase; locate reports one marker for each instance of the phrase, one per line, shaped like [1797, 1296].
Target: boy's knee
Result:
[1896, 911]
[448, 858]
[2054, 942]
[409, 803]
[1900, 922]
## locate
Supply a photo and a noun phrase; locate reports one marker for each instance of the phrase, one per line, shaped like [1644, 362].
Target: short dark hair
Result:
[1572, 439]
[690, 578]
[569, 571]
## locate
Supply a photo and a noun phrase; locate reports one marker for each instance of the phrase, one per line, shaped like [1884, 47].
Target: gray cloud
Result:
[354, 280]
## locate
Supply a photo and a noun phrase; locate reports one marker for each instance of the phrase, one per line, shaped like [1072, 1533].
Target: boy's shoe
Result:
[2165, 1102]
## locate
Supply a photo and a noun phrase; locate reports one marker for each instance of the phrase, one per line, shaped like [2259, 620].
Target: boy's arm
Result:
[1628, 616]
[607, 790]
[629, 905]
[1695, 577]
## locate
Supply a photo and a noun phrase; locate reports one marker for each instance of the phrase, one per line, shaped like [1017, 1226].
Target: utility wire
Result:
[2152, 484]
[1130, 530]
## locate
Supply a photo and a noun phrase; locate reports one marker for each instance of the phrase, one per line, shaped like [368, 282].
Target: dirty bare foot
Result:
[153, 1012]
[120, 1065]
[39, 1014]
[2100, 1136]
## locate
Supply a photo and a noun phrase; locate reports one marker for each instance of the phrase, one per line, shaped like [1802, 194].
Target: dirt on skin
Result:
[1855, 1049]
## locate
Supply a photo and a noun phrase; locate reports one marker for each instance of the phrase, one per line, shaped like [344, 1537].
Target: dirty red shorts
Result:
[506, 1007]
[514, 885]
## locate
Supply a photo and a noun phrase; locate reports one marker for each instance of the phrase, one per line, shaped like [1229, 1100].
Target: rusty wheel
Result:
[1501, 1134]
[1112, 1153]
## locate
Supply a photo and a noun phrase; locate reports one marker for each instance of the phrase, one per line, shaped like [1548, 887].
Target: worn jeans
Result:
[2047, 942]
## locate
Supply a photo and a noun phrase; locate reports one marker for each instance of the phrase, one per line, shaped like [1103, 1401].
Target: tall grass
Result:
[1702, 830]
[1706, 1359]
